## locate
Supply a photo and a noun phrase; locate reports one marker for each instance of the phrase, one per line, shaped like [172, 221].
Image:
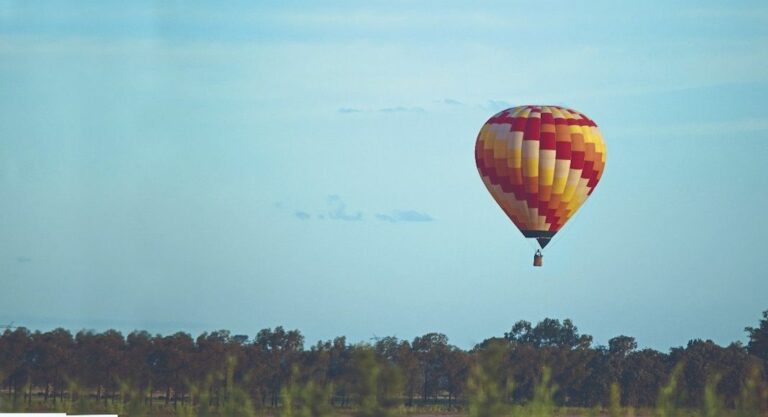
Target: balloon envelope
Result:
[540, 163]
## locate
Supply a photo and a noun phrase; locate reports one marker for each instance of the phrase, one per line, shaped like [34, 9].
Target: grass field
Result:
[300, 403]
[486, 396]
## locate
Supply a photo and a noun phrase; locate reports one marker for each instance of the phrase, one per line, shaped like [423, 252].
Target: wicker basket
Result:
[538, 259]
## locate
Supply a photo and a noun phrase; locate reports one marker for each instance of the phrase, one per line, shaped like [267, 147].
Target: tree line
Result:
[173, 370]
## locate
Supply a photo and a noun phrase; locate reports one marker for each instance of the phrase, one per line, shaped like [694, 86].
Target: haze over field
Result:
[243, 166]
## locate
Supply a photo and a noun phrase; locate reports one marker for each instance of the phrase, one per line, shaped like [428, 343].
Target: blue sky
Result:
[192, 166]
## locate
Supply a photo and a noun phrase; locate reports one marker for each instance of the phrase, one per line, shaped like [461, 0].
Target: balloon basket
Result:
[538, 259]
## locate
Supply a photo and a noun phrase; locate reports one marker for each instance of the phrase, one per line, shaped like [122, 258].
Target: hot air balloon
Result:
[540, 163]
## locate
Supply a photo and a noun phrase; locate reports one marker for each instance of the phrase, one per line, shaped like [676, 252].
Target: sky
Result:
[198, 166]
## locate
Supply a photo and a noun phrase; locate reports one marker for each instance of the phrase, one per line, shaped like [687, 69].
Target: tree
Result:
[643, 375]
[99, 358]
[559, 347]
[280, 350]
[49, 358]
[373, 401]
[340, 371]
[456, 372]
[170, 361]
[703, 360]
[431, 350]
[409, 366]
[486, 392]
[621, 346]
[135, 370]
[548, 333]
[14, 359]
[758, 339]
[218, 371]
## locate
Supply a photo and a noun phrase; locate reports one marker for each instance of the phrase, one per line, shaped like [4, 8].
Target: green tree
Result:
[456, 372]
[431, 351]
[543, 402]
[643, 375]
[279, 349]
[758, 339]
[15, 363]
[486, 392]
[50, 362]
[614, 404]
[368, 375]
[408, 363]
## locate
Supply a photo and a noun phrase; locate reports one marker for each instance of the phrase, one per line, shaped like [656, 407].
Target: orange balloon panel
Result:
[540, 163]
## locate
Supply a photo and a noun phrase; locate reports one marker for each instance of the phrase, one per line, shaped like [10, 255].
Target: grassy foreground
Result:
[487, 396]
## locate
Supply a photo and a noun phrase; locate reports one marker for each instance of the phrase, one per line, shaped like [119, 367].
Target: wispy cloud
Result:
[302, 215]
[349, 110]
[335, 209]
[397, 216]
[339, 210]
[497, 105]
